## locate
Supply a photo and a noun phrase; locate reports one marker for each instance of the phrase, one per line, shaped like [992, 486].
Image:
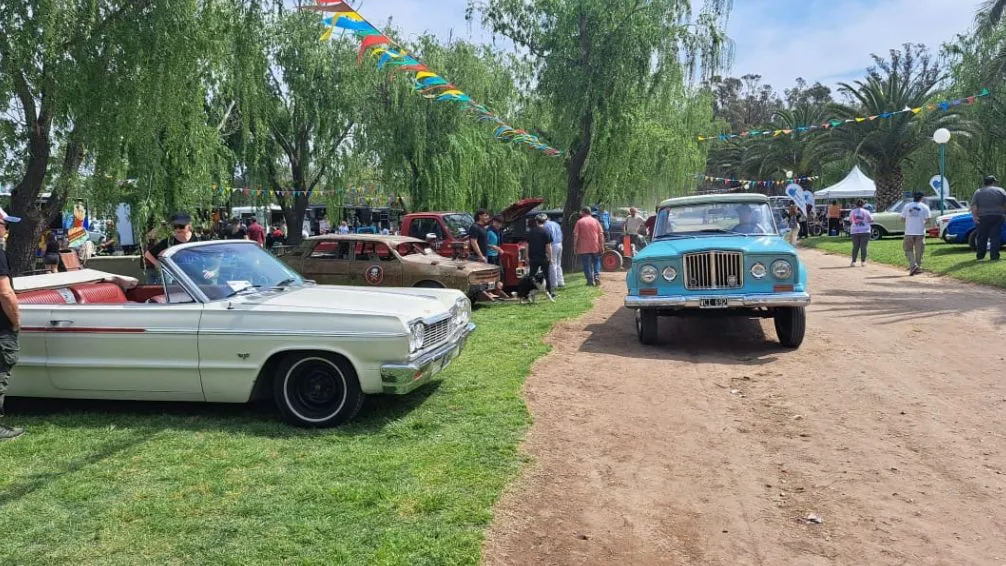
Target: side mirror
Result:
[432, 240]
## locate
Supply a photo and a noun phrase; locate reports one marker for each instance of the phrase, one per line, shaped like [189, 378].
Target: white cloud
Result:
[831, 40]
[825, 40]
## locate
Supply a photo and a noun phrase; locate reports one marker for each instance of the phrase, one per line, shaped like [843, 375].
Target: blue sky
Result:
[819, 40]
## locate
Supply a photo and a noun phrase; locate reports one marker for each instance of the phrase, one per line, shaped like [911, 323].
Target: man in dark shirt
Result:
[539, 248]
[10, 326]
[988, 207]
[238, 230]
[181, 233]
[478, 237]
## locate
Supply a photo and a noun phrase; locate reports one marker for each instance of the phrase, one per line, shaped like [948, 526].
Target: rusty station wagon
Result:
[387, 261]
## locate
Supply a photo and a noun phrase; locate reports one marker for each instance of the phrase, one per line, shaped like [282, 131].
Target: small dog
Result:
[531, 285]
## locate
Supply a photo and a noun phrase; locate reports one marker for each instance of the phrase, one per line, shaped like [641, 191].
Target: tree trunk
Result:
[575, 183]
[890, 187]
[24, 236]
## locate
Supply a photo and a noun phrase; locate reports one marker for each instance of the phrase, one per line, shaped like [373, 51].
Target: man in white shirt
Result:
[916, 215]
[633, 224]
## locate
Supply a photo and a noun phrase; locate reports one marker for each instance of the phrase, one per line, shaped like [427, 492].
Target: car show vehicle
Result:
[962, 230]
[735, 265]
[230, 324]
[940, 224]
[890, 222]
[447, 232]
[372, 260]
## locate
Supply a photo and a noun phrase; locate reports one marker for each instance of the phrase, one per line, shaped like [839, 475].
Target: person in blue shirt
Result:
[494, 237]
[555, 275]
[605, 217]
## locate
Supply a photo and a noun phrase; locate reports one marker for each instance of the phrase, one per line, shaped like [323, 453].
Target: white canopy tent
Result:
[854, 185]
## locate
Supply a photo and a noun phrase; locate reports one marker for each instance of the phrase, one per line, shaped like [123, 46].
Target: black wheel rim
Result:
[315, 389]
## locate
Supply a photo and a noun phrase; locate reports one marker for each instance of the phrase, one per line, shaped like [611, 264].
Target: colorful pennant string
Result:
[425, 82]
[369, 191]
[753, 183]
[836, 123]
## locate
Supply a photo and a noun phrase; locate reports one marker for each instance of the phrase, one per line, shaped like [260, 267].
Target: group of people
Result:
[988, 208]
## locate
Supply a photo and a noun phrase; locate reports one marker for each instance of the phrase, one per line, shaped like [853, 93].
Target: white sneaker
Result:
[862, 264]
[853, 264]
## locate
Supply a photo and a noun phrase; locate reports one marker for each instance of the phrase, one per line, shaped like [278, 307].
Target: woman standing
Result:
[50, 258]
[793, 221]
[860, 220]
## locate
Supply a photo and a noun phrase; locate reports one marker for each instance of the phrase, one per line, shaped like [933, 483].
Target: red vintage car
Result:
[450, 235]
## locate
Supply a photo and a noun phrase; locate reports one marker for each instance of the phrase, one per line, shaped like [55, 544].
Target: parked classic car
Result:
[230, 324]
[890, 222]
[387, 261]
[736, 266]
[962, 230]
[940, 224]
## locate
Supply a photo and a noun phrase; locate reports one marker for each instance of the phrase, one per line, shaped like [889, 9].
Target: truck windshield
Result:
[459, 223]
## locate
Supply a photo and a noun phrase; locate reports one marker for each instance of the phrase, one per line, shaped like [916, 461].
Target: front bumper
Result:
[399, 379]
[765, 300]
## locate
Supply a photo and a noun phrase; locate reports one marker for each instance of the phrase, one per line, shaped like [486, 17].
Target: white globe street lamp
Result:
[941, 137]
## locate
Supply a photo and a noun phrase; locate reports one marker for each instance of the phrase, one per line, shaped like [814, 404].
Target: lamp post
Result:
[941, 137]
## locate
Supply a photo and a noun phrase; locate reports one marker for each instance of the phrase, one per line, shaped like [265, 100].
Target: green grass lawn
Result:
[411, 481]
[954, 260]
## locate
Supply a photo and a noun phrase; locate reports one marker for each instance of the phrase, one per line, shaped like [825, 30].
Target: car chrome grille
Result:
[714, 270]
[437, 332]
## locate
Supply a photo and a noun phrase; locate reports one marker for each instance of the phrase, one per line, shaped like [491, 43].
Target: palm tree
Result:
[796, 152]
[888, 142]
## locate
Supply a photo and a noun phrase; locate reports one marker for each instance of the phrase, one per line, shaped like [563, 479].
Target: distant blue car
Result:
[962, 230]
[718, 255]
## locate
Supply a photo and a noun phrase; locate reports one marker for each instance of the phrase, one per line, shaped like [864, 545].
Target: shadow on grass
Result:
[715, 339]
[258, 418]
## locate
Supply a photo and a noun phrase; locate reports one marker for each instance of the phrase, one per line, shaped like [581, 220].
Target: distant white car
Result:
[940, 229]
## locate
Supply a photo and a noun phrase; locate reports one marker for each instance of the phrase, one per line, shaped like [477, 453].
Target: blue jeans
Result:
[591, 267]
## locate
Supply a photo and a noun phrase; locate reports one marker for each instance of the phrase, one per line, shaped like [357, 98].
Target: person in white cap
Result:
[10, 326]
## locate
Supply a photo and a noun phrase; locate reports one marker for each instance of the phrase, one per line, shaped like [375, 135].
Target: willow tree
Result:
[299, 105]
[437, 153]
[597, 61]
[111, 84]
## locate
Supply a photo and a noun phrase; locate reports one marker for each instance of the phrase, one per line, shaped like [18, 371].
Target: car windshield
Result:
[714, 218]
[896, 207]
[413, 248]
[226, 269]
[459, 223]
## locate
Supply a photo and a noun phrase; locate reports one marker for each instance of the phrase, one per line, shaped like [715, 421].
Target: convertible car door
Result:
[126, 350]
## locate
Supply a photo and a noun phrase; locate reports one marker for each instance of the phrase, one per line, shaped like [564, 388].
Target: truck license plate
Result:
[714, 303]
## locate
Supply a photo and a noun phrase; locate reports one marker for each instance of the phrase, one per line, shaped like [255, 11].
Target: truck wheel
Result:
[611, 261]
[317, 389]
[790, 325]
[646, 326]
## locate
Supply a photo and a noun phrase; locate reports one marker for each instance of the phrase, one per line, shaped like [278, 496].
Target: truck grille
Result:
[714, 270]
[437, 333]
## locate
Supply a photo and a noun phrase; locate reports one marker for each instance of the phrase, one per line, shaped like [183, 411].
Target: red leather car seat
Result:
[98, 294]
[41, 297]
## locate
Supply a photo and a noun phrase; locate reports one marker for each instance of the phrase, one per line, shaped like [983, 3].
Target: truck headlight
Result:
[670, 274]
[417, 336]
[782, 269]
[758, 271]
[648, 274]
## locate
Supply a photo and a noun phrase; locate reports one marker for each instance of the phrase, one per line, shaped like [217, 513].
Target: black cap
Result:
[918, 196]
[991, 180]
[181, 218]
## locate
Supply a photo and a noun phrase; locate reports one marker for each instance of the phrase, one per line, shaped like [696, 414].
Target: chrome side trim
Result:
[287, 332]
[767, 300]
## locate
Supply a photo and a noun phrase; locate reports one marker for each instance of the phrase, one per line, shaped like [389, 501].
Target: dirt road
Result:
[714, 447]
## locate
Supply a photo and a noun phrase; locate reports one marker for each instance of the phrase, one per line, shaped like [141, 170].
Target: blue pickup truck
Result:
[718, 255]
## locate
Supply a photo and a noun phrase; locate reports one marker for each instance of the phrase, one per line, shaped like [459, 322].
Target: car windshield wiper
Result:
[719, 231]
[284, 283]
[242, 290]
[668, 236]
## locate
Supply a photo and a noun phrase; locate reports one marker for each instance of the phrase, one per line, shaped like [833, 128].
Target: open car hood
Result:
[518, 209]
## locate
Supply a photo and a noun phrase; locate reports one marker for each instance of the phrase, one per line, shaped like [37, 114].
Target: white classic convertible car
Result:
[230, 324]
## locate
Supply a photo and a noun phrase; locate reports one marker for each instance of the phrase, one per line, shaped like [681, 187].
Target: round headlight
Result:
[417, 336]
[670, 274]
[758, 271]
[648, 274]
[782, 269]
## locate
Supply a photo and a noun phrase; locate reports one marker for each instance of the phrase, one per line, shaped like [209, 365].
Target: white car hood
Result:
[406, 303]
